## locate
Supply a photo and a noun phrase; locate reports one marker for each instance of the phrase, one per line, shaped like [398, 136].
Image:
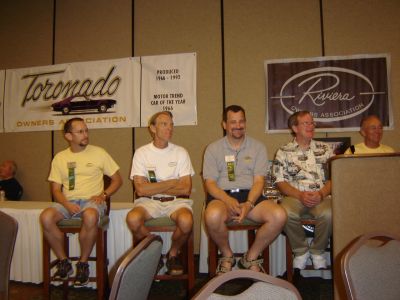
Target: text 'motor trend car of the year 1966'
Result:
[81, 103]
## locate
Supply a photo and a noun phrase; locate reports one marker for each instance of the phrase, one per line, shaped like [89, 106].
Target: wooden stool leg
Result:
[251, 236]
[266, 259]
[66, 282]
[190, 262]
[46, 269]
[212, 257]
[289, 261]
[100, 265]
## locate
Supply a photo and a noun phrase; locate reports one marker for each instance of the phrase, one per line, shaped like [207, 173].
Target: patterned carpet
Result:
[309, 288]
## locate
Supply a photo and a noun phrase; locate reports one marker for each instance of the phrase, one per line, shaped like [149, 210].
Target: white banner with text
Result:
[169, 83]
[106, 94]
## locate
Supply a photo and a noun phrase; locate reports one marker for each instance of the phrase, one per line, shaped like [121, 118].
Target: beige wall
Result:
[253, 31]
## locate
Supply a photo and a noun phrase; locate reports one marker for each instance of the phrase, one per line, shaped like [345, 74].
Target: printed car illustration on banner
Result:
[82, 103]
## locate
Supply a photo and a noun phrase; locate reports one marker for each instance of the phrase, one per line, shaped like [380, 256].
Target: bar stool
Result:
[251, 228]
[165, 224]
[72, 226]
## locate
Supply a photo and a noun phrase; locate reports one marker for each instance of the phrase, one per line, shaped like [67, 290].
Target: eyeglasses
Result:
[373, 127]
[82, 131]
[308, 123]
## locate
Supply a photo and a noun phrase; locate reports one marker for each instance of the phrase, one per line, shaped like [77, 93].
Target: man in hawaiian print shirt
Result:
[301, 174]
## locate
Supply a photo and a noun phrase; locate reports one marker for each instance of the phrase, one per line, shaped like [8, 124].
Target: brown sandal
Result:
[244, 263]
[222, 269]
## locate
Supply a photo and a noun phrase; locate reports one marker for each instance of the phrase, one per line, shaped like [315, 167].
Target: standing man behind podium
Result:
[162, 176]
[371, 130]
[76, 178]
[234, 170]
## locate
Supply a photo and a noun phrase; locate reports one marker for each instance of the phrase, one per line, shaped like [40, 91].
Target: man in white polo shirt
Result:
[162, 176]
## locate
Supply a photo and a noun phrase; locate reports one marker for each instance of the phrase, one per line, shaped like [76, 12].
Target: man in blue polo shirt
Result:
[234, 170]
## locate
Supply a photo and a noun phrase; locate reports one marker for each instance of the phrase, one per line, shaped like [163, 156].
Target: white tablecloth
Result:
[26, 265]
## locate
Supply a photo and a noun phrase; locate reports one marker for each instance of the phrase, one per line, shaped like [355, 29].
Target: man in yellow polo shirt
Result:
[372, 130]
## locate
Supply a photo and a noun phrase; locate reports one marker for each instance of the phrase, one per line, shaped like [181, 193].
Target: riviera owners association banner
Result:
[338, 91]
[106, 94]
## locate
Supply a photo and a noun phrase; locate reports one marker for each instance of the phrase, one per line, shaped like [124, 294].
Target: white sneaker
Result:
[319, 261]
[300, 261]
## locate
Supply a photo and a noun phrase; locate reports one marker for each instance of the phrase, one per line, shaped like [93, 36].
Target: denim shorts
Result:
[83, 204]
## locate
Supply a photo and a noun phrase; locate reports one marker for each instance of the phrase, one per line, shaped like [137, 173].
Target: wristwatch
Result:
[251, 204]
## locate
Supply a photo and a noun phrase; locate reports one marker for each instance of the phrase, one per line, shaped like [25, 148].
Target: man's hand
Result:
[245, 209]
[72, 207]
[233, 207]
[310, 199]
[98, 199]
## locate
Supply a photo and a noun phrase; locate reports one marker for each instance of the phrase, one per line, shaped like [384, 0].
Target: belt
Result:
[163, 199]
[234, 191]
[168, 198]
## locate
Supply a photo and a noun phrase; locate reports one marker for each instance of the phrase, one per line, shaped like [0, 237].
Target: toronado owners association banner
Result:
[100, 92]
[106, 94]
[338, 91]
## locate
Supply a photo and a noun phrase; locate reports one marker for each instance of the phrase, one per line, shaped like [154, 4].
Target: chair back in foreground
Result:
[8, 235]
[371, 267]
[136, 272]
[265, 287]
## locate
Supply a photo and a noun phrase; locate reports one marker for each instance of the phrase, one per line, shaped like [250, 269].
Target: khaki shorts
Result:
[157, 209]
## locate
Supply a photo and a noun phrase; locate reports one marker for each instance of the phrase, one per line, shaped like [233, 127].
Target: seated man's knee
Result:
[134, 219]
[279, 215]
[326, 215]
[213, 215]
[47, 218]
[185, 221]
[90, 217]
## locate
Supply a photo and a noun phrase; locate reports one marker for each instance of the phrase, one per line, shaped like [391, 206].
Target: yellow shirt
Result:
[363, 149]
[87, 169]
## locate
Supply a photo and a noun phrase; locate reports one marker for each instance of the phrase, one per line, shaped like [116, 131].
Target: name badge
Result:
[230, 166]
[152, 176]
[71, 175]
[229, 158]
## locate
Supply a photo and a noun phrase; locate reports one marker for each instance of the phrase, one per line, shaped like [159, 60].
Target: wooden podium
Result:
[365, 198]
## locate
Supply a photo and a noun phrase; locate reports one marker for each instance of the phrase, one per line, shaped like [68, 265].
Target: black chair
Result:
[8, 235]
[135, 274]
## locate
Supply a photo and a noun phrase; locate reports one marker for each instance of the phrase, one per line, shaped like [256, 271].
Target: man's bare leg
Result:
[216, 216]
